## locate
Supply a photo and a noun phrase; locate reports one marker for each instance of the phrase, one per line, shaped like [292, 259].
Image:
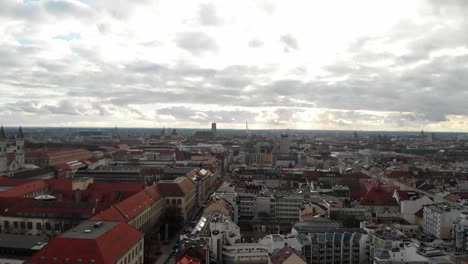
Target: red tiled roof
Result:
[110, 214]
[107, 248]
[59, 184]
[131, 207]
[153, 192]
[135, 204]
[64, 166]
[7, 181]
[184, 259]
[368, 183]
[179, 187]
[24, 189]
[378, 196]
[192, 255]
[283, 255]
[47, 153]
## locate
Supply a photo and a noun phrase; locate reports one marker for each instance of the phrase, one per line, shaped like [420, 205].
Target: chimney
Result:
[60, 197]
[77, 195]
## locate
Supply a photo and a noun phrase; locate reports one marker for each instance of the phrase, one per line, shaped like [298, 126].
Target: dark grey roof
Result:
[87, 230]
[45, 172]
[14, 241]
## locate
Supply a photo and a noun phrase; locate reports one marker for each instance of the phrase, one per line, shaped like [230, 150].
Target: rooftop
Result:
[15, 241]
[89, 229]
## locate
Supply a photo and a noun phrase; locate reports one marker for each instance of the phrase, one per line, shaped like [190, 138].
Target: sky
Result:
[348, 65]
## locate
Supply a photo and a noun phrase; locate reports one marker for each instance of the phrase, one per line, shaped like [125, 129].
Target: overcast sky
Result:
[355, 65]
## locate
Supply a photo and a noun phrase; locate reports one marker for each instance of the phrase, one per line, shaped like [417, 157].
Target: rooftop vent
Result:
[87, 231]
[98, 224]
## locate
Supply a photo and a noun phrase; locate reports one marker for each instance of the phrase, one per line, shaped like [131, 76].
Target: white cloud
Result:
[350, 64]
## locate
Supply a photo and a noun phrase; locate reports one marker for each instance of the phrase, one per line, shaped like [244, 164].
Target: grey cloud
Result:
[208, 16]
[290, 42]
[35, 107]
[196, 42]
[431, 90]
[188, 114]
[255, 43]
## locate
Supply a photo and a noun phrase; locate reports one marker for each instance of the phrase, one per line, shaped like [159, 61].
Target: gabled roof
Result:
[284, 255]
[134, 205]
[110, 214]
[192, 255]
[153, 192]
[179, 187]
[378, 196]
[105, 246]
[131, 207]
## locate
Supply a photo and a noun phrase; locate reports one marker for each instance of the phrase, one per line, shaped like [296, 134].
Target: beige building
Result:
[180, 198]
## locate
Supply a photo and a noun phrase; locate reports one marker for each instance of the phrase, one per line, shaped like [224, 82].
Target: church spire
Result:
[20, 135]
[2, 133]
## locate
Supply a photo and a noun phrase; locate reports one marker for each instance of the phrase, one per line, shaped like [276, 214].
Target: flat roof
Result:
[90, 229]
[14, 241]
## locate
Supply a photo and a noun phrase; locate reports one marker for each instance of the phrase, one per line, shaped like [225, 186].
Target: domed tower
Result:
[19, 153]
[174, 134]
[3, 145]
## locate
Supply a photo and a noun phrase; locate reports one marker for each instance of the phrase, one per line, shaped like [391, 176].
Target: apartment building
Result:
[460, 233]
[439, 218]
[180, 198]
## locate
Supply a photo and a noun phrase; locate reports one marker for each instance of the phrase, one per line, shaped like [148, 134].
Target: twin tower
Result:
[11, 156]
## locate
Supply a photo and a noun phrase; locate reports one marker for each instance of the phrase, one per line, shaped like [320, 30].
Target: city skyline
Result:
[334, 65]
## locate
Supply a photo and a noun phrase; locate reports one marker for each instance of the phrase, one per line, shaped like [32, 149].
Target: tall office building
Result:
[213, 129]
[284, 143]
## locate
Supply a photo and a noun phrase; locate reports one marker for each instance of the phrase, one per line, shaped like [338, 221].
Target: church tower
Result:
[19, 153]
[3, 145]
[162, 136]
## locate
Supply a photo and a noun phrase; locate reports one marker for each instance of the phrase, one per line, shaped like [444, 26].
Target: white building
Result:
[438, 220]
[410, 203]
[460, 233]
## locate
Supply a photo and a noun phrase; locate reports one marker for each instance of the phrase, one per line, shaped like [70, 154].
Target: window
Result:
[15, 224]
[23, 225]
[47, 226]
[6, 224]
[38, 226]
[30, 225]
[57, 226]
